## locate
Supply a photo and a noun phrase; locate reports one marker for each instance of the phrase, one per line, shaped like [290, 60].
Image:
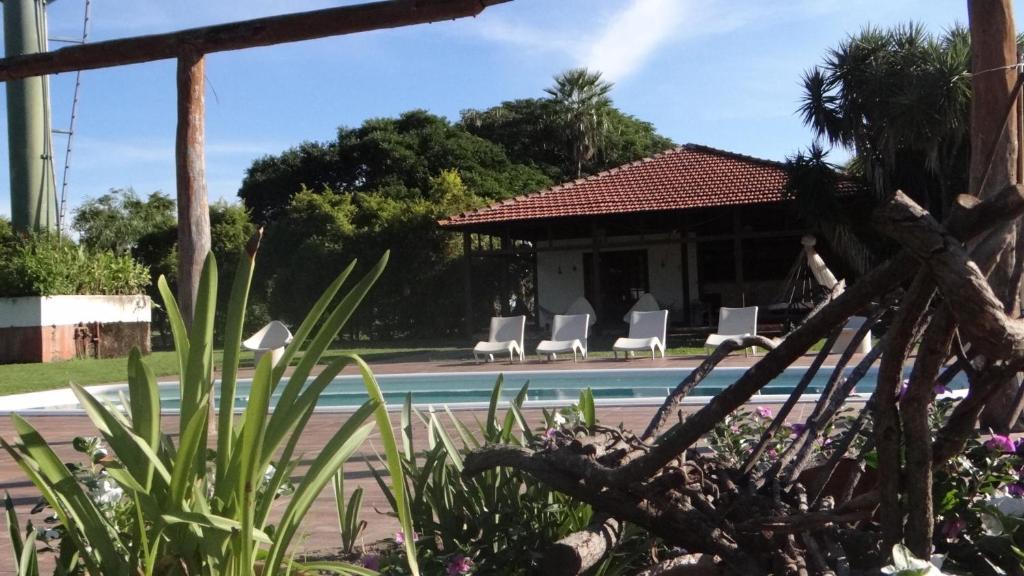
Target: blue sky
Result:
[714, 72]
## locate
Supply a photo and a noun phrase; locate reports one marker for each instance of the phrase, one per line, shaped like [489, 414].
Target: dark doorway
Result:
[623, 280]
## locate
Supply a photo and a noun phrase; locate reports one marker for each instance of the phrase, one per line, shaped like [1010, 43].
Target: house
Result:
[697, 227]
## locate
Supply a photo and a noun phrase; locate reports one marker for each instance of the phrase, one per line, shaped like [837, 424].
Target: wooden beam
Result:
[467, 283]
[239, 35]
[193, 210]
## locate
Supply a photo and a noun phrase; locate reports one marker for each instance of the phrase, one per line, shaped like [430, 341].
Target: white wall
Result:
[68, 310]
[559, 281]
[560, 274]
[665, 274]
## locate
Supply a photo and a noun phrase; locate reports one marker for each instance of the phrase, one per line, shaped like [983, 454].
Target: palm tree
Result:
[899, 100]
[580, 105]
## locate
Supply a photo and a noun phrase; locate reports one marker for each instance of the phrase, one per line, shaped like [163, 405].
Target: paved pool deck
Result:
[321, 527]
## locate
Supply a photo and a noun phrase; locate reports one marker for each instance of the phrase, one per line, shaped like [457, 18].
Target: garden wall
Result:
[54, 328]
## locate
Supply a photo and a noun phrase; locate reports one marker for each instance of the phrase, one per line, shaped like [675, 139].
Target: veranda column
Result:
[193, 210]
[467, 283]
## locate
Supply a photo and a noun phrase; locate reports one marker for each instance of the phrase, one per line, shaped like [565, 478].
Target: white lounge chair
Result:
[506, 335]
[645, 303]
[646, 332]
[568, 334]
[271, 338]
[846, 337]
[582, 306]
[733, 322]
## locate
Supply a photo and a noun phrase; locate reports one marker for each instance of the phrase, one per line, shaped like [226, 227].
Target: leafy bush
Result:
[45, 265]
[499, 522]
[184, 509]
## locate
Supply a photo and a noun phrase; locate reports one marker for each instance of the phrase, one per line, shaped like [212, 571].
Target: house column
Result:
[467, 284]
[692, 286]
[595, 272]
[737, 255]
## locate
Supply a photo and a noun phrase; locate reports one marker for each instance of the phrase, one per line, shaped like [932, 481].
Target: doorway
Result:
[623, 279]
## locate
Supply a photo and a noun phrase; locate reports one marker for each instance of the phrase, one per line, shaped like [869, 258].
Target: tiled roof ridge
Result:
[736, 155]
[574, 183]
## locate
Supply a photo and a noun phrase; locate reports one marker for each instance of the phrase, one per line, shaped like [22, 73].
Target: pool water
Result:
[564, 386]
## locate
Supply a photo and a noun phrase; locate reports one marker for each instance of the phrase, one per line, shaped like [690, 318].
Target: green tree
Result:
[396, 156]
[580, 105]
[898, 99]
[118, 219]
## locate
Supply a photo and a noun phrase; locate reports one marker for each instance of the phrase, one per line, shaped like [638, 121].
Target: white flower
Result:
[269, 474]
[904, 563]
[559, 419]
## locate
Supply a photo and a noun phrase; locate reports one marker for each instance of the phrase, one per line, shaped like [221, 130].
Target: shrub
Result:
[45, 265]
[182, 508]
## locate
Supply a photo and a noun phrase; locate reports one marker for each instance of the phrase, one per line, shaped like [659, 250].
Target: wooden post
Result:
[994, 157]
[193, 210]
[737, 254]
[595, 273]
[467, 284]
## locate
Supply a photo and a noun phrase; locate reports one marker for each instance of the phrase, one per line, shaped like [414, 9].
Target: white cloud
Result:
[633, 35]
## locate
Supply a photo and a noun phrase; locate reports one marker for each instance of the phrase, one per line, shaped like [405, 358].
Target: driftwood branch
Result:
[580, 551]
[696, 376]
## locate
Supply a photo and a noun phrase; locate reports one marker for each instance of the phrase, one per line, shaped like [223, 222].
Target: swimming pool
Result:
[473, 389]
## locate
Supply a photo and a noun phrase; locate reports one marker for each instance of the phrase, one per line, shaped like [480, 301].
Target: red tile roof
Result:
[690, 176]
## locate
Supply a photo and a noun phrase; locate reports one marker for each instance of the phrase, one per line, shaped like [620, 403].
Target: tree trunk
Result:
[994, 154]
[193, 210]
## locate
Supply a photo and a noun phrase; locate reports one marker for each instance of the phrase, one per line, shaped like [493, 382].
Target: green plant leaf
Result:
[251, 446]
[233, 326]
[336, 568]
[446, 441]
[312, 320]
[491, 434]
[588, 410]
[178, 330]
[70, 497]
[344, 442]
[13, 528]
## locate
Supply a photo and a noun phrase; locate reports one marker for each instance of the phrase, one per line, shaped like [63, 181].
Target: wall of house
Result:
[35, 329]
[559, 281]
[560, 275]
[665, 274]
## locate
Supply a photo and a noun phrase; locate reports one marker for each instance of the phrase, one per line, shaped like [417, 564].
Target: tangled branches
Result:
[800, 515]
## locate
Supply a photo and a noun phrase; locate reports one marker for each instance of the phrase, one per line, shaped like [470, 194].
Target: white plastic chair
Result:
[646, 332]
[846, 337]
[506, 335]
[568, 334]
[645, 303]
[733, 322]
[271, 338]
[582, 306]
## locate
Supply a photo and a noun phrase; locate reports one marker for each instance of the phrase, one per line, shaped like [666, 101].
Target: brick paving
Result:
[321, 528]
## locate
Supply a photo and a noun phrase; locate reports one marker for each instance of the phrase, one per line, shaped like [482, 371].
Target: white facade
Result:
[29, 311]
[560, 276]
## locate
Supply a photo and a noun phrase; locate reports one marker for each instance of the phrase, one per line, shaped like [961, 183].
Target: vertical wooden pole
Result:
[467, 284]
[737, 255]
[595, 273]
[193, 209]
[994, 158]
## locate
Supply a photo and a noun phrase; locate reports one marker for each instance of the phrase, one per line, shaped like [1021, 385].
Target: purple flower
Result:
[797, 429]
[952, 527]
[772, 454]
[940, 389]
[1016, 489]
[734, 428]
[903, 390]
[1020, 451]
[1001, 443]
[764, 411]
[371, 561]
[551, 433]
[400, 537]
[459, 564]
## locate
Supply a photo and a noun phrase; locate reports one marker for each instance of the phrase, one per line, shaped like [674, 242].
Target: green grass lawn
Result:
[18, 378]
